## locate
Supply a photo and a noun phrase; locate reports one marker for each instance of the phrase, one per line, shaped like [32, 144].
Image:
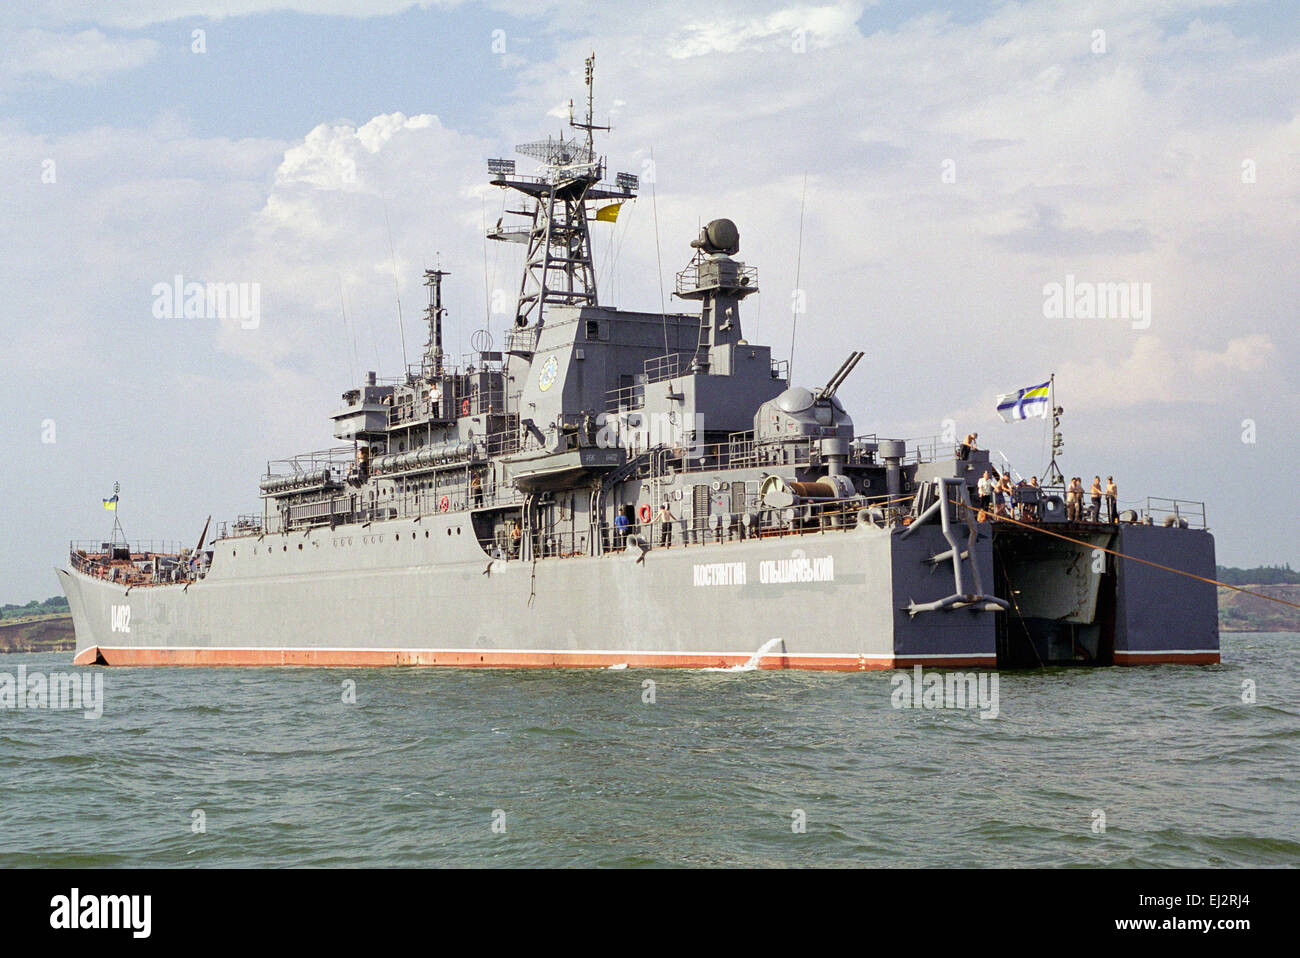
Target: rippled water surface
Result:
[582, 771]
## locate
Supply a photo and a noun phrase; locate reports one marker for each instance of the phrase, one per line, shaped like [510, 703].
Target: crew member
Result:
[620, 529]
[666, 517]
[1112, 499]
[1004, 494]
[1074, 500]
[964, 450]
[476, 489]
[985, 489]
[1029, 511]
[1095, 493]
[516, 534]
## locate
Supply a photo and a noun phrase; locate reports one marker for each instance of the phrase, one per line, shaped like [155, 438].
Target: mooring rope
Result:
[1088, 545]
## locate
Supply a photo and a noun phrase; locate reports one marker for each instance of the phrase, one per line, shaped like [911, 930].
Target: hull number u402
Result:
[119, 617]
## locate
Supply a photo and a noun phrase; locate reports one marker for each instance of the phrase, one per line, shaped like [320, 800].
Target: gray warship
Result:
[613, 488]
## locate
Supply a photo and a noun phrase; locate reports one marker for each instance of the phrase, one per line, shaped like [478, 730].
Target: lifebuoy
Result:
[464, 407]
[644, 513]
[444, 504]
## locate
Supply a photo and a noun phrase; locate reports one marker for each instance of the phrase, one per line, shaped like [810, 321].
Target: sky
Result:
[925, 174]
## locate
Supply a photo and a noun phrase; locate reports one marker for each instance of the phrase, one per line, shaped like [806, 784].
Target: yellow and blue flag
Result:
[1030, 402]
[111, 504]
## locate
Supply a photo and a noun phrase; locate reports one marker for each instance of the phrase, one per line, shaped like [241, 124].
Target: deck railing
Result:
[338, 460]
[134, 564]
[1175, 512]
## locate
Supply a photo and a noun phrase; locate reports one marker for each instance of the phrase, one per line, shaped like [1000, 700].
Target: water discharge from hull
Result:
[750, 664]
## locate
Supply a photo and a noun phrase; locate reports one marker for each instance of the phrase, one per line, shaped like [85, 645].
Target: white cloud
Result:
[136, 14]
[326, 221]
[798, 28]
[1157, 370]
[85, 57]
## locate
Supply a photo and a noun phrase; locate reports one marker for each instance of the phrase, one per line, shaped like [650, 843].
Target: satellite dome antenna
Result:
[719, 283]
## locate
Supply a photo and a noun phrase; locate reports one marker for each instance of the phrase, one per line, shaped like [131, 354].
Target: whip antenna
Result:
[397, 289]
[798, 270]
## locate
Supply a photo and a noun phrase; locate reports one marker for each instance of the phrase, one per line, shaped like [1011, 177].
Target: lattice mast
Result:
[558, 267]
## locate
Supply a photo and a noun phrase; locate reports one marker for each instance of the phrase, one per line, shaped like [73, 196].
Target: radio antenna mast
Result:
[589, 126]
[798, 271]
[434, 313]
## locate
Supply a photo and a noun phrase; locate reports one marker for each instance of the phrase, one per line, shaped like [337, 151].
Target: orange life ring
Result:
[464, 408]
[644, 513]
[444, 504]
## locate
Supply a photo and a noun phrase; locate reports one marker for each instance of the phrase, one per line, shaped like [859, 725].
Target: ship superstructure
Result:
[615, 487]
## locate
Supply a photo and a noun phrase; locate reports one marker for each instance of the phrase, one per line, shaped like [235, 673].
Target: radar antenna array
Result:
[558, 266]
[557, 152]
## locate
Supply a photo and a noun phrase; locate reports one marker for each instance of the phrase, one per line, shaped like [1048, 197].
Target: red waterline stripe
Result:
[1167, 658]
[510, 659]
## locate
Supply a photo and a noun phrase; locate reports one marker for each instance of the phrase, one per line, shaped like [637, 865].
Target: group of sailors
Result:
[999, 495]
[1074, 510]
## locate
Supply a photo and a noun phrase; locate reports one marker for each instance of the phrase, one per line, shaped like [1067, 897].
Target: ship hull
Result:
[424, 593]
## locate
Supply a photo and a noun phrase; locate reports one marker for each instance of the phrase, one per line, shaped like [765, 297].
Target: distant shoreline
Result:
[1245, 613]
[38, 633]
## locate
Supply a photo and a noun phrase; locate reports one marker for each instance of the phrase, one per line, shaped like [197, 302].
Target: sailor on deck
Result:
[666, 517]
[1074, 500]
[1029, 509]
[1004, 492]
[985, 489]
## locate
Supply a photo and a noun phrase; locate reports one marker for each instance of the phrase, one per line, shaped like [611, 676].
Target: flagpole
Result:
[1054, 475]
[117, 522]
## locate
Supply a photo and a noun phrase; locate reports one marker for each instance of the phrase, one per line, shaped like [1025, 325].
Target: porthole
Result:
[426, 533]
[299, 546]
